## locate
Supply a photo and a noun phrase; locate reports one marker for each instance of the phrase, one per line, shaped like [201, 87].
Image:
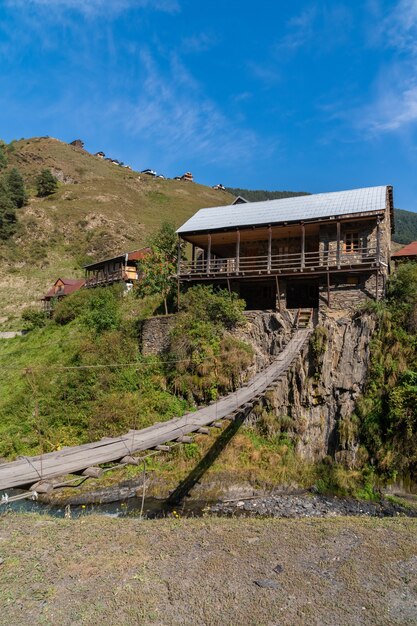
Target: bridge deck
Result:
[28, 470]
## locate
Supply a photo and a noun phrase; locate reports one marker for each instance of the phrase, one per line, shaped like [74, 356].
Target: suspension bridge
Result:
[35, 472]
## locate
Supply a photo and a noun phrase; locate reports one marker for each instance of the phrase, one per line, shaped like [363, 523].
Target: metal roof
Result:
[409, 250]
[293, 209]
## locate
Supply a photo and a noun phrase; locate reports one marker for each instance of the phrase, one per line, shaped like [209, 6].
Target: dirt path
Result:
[102, 571]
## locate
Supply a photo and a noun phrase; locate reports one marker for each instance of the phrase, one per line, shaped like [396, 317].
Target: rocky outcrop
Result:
[315, 402]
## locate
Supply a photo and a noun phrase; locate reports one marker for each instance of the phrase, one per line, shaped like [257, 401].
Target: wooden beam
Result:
[208, 253]
[303, 245]
[178, 256]
[378, 240]
[278, 293]
[338, 245]
[377, 285]
[269, 249]
[237, 251]
[328, 290]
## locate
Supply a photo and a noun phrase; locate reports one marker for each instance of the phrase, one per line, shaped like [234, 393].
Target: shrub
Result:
[46, 183]
[16, 187]
[33, 318]
[71, 307]
[103, 312]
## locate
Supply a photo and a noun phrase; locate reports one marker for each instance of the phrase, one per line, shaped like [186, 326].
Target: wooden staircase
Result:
[304, 318]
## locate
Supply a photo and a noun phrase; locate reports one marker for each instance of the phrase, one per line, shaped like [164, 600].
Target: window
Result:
[351, 242]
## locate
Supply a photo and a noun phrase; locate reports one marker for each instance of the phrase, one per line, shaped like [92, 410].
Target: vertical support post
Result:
[338, 245]
[237, 251]
[228, 286]
[269, 249]
[328, 289]
[178, 256]
[178, 293]
[378, 240]
[278, 293]
[193, 256]
[303, 245]
[377, 285]
[208, 253]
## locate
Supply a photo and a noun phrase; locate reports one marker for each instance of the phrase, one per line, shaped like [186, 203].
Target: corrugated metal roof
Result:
[409, 250]
[288, 209]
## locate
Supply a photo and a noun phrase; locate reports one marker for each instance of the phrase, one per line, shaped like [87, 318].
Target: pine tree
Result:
[16, 187]
[46, 183]
[7, 213]
[3, 157]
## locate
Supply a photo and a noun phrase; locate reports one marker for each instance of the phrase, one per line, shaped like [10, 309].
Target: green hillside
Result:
[99, 209]
[405, 221]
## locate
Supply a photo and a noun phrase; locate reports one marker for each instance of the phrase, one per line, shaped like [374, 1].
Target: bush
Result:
[33, 318]
[71, 307]
[16, 187]
[46, 183]
[103, 311]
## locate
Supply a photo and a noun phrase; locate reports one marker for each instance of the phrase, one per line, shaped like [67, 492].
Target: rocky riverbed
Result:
[306, 505]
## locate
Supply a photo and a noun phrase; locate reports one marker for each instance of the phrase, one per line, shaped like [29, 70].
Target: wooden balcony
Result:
[280, 264]
[102, 278]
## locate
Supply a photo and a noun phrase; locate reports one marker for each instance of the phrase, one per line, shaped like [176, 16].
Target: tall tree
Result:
[158, 268]
[7, 213]
[16, 186]
[46, 183]
[3, 157]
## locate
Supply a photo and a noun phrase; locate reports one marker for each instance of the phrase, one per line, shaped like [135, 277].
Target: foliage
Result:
[388, 410]
[3, 156]
[46, 183]
[318, 345]
[258, 195]
[16, 187]
[405, 226]
[33, 318]
[72, 306]
[207, 359]
[8, 219]
[158, 268]
[103, 312]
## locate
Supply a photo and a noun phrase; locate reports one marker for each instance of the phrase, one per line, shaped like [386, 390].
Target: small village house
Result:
[313, 251]
[123, 268]
[61, 288]
[408, 253]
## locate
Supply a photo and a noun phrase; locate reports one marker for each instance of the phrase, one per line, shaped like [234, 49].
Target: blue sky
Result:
[314, 96]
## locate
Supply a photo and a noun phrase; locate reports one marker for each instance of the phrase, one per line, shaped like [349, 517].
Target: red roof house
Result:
[408, 253]
[61, 288]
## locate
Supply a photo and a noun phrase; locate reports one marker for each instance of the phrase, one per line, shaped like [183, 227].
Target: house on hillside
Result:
[188, 177]
[124, 268]
[240, 200]
[323, 250]
[61, 288]
[408, 253]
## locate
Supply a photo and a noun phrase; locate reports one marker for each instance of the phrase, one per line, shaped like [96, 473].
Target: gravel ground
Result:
[208, 571]
[310, 506]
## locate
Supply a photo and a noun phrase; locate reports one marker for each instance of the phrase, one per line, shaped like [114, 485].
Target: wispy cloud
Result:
[198, 43]
[394, 103]
[172, 112]
[92, 8]
[299, 29]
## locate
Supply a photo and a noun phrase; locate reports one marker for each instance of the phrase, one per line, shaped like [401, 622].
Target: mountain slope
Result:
[99, 209]
[405, 221]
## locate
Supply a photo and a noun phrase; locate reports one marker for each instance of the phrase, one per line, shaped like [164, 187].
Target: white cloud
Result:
[96, 7]
[172, 112]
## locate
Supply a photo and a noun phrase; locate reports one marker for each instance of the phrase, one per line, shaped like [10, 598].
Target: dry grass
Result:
[101, 571]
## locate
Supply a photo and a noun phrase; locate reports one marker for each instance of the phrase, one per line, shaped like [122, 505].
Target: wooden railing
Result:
[278, 263]
[110, 277]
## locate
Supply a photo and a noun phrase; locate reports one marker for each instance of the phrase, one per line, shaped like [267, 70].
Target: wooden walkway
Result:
[26, 471]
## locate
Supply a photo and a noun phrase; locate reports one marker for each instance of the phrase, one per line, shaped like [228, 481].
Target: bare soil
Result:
[103, 571]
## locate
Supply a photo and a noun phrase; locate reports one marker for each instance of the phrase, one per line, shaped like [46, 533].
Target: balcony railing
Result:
[105, 278]
[280, 263]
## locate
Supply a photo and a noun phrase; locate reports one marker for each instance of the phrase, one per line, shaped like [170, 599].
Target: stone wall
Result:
[345, 296]
[154, 338]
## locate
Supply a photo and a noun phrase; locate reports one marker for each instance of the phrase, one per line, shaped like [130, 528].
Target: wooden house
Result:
[123, 268]
[408, 253]
[322, 250]
[61, 288]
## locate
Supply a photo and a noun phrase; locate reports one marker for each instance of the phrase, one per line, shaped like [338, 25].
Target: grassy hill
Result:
[99, 209]
[405, 221]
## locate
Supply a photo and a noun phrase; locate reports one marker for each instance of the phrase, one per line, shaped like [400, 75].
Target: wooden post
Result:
[237, 251]
[328, 289]
[193, 255]
[338, 245]
[377, 285]
[303, 245]
[208, 254]
[278, 293]
[179, 257]
[269, 249]
[378, 240]
[228, 286]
